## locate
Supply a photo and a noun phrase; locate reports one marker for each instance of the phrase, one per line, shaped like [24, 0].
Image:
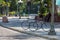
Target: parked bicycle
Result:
[34, 25]
[25, 24]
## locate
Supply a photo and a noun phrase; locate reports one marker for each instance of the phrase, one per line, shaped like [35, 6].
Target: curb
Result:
[46, 37]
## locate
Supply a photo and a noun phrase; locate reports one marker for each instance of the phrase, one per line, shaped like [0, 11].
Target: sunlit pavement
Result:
[15, 23]
[7, 34]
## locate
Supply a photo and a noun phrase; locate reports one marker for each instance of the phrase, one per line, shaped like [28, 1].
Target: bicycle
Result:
[25, 24]
[34, 26]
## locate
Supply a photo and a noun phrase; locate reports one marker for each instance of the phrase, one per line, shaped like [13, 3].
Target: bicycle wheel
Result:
[45, 26]
[33, 26]
[25, 25]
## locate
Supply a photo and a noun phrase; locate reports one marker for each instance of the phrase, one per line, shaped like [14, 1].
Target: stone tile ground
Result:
[15, 23]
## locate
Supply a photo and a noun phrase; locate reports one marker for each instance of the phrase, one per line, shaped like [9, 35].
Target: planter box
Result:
[5, 19]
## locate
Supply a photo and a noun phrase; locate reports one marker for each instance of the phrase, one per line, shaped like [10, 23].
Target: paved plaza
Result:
[6, 34]
[15, 23]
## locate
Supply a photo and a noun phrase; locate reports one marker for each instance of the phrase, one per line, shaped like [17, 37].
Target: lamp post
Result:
[52, 30]
[29, 7]
[38, 8]
[18, 9]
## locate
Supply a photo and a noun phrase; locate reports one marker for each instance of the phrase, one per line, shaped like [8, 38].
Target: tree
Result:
[13, 5]
[3, 8]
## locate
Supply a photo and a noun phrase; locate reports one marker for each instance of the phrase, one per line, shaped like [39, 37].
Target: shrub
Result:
[58, 13]
[12, 13]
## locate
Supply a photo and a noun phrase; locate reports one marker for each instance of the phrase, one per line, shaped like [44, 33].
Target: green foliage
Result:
[12, 13]
[13, 6]
[1, 1]
[1, 15]
[58, 13]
